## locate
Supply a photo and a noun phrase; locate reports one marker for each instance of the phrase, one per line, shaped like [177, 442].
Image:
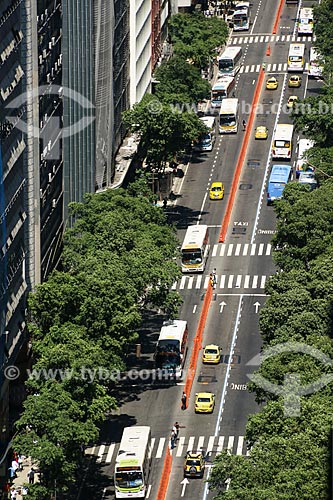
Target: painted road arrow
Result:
[257, 305]
[222, 304]
[184, 482]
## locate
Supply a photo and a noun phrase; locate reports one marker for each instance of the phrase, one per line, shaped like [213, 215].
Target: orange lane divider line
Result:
[241, 158]
[277, 17]
[163, 487]
[197, 343]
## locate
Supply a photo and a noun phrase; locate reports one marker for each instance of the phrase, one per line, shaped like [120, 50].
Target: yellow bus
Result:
[296, 59]
[195, 249]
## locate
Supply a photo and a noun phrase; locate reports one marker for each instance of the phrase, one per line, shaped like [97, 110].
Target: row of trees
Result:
[166, 122]
[117, 260]
[291, 435]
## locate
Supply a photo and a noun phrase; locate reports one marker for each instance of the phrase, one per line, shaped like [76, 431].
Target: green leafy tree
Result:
[314, 118]
[323, 15]
[180, 82]
[164, 130]
[195, 37]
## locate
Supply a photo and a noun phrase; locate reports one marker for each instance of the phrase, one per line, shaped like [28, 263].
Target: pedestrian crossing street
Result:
[269, 68]
[211, 446]
[240, 249]
[240, 40]
[224, 282]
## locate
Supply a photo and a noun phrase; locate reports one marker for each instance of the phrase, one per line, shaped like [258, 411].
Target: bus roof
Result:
[230, 53]
[223, 83]
[132, 449]
[173, 330]
[304, 145]
[283, 132]
[296, 49]
[195, 235]
[314, 54]
[229, 106]
[209, 121]
[280, 173]
[306, 13]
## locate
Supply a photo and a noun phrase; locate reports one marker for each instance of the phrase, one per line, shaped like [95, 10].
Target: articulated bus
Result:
[283, 141]
[280, 176]
[228, 119]
[171, 348]
[221, 90]
[229, 62]
[315, 68]
[296, 57]
[241, 17]
[305, 21]
[133, 463]
[195, 249]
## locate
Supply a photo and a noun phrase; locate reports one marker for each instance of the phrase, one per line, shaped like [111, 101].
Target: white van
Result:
[207, 140]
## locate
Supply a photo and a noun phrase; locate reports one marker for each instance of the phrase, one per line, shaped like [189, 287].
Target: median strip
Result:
[277, 17]
[241, 158]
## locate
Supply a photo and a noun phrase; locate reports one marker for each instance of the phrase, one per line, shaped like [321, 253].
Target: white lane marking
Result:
[181, 443]
[261, 249]
[111, 450]
[190, 282]
[230, 249]
[245, 249]
[268, 249]
[240, 444]
[238, 248]
[198, 283]
[220, 444]
[263, 281]
[100, 453]
[160, 448]
[182, 283]
[194, 308]
[222, 283]
[247, 281]
[230, 445]
[190, 444]
[253, 249]
[210, 444]
[201, 441]
[222, 249]
[151, 447]
[255, 281]
[230, 280]
[238, 281]
[214, 252]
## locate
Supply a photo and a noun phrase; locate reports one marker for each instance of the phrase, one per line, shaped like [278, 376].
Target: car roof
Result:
[194, 454]
[204, 394]
[293, 97]
[272, 78]
[261, 126]
[216, 184]
[210, 346]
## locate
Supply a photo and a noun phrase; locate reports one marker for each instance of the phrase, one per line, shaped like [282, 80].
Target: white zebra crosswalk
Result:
[248, 39]
[224, 282]
[270, 68]
[240, 249]
[211, 446]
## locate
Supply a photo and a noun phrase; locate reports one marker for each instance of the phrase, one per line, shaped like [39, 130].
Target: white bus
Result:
[296, 57]
[229, 62]
[241, 17]
[305, 21]
[315, 68]
[228, 119]
[302, 147]
[221, 89]
[171, 348]
[133, 463]
[283, 141]
[195, 249]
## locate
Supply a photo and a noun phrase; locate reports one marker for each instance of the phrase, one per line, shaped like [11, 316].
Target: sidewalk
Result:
[22, 478]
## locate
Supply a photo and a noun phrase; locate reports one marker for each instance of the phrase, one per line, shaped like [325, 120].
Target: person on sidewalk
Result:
[184, 399]
[12, 474]
[244, 125]
[13, 493]
[173, 440]
[176, 429]
[31, 476]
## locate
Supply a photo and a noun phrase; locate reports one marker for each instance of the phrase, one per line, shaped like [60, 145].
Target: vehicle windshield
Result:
[205, 139]
[204, 400]
[226, 64]
[216, 188]
[211, 351]
[191, 257]
[282, 144]
[218, 95]
[129, 479]
[295, 58]
[228, 120]
[193, 462]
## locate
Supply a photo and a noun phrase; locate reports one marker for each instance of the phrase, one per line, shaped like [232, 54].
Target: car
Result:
[194, 465]
[294, 81]
[204, 402]
[211, 354]
[272, 83]
[261, 132]
[308, 178]
[291, 101]
[216, 191]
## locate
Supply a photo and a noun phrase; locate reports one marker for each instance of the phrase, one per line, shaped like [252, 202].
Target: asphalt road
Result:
[243, 263]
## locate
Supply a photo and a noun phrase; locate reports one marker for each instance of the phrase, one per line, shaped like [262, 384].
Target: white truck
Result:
[206, 141]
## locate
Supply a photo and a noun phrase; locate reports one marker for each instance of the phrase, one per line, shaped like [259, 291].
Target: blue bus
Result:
[278, 179]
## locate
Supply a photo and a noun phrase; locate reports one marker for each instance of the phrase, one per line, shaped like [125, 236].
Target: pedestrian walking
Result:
[173, 440]
[20, 462]
[15, 465]
[165, 202]
[184, 400]
[176, 429]
[12, 473]
[211, 280]
[31, 476]
[13, 493]
[244, 125]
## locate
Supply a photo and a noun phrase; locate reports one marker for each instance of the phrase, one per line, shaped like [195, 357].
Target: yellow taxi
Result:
[261, 132]
[291, 101]
[272, 83]
[294, 81]
[216, 191]
[204, 402]
[194, 465]
[211, 354]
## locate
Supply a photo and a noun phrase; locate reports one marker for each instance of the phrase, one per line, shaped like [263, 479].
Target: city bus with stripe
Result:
[133, 463]
[229, 115]
[296, 59]
[221, 89]
[171, 349]
[280, 176]
[283, 141]
[195, 249]
[241, 17]
[229, 62]
[305, 21]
